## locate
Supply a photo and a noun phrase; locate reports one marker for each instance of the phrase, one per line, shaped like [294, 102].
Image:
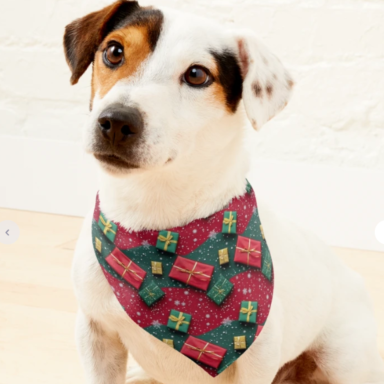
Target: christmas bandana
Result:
[204, 289]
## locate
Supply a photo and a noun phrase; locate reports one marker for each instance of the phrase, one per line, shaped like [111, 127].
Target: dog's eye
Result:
[197, 76]
[114, 55]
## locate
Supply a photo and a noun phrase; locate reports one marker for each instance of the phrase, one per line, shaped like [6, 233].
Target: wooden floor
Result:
[37, 305]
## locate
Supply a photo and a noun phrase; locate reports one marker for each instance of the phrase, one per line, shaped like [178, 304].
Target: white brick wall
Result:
[334, 48]
[321, 162]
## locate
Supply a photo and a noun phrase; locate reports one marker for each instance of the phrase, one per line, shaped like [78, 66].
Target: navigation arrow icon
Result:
[9, 232]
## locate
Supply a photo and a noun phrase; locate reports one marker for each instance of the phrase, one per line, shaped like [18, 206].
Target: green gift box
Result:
[229, 222]
[248, 312]
[151, 294]
[266, 267]
[167, 241]
[179, 321]
[220, 290]
[108, 227]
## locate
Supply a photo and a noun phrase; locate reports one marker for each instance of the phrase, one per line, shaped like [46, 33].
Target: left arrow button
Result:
[9, 232]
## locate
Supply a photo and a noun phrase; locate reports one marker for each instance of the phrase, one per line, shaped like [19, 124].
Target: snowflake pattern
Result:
[145, 244]
[227, 322]
[212, 234]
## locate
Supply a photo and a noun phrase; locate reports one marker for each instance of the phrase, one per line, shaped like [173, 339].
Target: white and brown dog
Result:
[167, 127]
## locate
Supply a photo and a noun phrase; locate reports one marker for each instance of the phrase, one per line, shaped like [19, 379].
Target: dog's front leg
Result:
[261, 362]
[103, 355]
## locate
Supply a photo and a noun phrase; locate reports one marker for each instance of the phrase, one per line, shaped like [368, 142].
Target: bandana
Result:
[204, 289]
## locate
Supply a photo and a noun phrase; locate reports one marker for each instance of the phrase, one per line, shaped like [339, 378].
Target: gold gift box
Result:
[157, 267]
[240, 342]
[98, 244]
[223, 256]
[169, 342]
[262, 231]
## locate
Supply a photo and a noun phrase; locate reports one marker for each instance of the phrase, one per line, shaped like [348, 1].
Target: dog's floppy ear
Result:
[267, 85]
[83, 36]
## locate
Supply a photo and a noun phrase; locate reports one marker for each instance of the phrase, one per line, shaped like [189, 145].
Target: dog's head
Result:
[162, 79]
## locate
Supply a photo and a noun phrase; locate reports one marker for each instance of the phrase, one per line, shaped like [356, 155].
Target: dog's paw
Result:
[136, 375]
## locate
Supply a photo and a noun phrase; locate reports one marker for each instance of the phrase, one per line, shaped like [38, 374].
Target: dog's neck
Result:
[194, 187]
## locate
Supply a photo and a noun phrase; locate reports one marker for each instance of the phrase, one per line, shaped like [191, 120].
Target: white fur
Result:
[319, 304]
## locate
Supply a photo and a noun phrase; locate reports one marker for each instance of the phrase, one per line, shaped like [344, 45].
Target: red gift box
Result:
[126, 268]
[248, 252]
[192, 272]
[203, 351]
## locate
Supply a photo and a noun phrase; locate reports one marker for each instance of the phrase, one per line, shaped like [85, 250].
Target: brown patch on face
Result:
[258, 89]
[269, 89]
[218, 93]
[83, 36]
[228, 79]
[290, 83]
[137, 47]
[299, 371]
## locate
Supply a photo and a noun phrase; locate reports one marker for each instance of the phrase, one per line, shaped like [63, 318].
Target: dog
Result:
[170, 94]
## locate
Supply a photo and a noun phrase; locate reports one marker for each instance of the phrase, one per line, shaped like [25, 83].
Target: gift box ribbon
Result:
[192, 272]
[179, 320]
[229, 221]
[212, 354]
[249, 251]
[126, 269]
[149, 293]
[167, 240]
[220, 291]
[107, 226]
[248, 311]
[268, 265]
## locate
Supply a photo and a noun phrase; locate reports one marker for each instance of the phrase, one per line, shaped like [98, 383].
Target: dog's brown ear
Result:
[267, 85]
[83, 36]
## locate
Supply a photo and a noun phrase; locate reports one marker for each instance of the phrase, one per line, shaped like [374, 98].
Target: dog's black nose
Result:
[118, 123]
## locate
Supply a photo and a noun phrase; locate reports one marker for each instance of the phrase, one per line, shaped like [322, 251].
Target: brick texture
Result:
[334, 49]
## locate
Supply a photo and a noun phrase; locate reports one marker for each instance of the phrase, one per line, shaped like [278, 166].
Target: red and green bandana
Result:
[204, 289]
